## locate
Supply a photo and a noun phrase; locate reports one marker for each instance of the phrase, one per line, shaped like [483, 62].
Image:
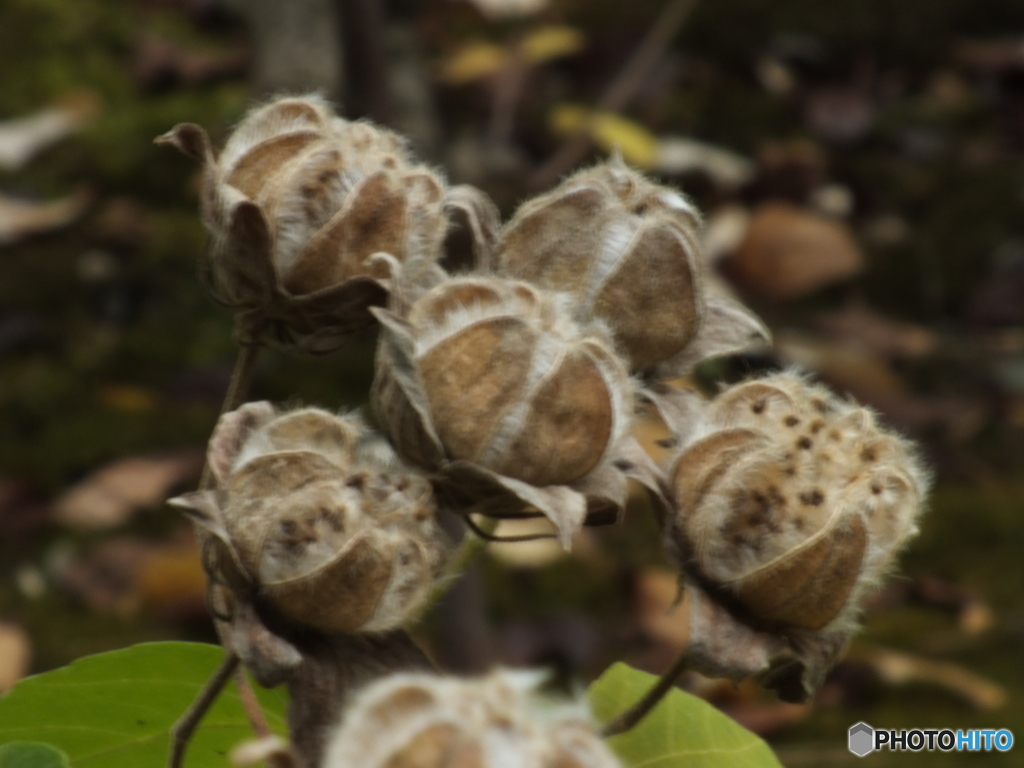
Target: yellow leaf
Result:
[472, 62]
[548, 43]
[609, 131]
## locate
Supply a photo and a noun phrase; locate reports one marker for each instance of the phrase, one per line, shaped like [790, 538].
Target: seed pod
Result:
[298, 203]
[493, 385]
[791, 504]
[428, 721]
[511, 381]
[317, 520]
[629, 251]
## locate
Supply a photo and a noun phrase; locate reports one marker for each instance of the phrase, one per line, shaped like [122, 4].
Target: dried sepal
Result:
[789, 505]
[317, 518]
[629, 252]
[491, 381]
[299, 203]
[429, 721]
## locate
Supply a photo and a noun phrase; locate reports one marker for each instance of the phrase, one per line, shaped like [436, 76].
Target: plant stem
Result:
[626, 720]
[181, 732]
[238, 390]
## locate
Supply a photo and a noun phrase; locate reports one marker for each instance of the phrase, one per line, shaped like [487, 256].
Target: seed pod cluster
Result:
[791, 503]
[298, 203]
[629, 253]
[428, 721]
[317, 515]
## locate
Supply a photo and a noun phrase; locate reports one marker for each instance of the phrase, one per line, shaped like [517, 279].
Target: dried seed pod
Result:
[492, 378]
[319, 520]
[628, 250]
[791, 503]
[428, 721]
[512, 382]
[298, 203]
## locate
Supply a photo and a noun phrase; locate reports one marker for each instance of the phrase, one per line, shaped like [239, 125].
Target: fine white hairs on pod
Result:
[430, 721]
[298, 204]
[628, 250]
[790, 504]
[495, 378]
[320, 519]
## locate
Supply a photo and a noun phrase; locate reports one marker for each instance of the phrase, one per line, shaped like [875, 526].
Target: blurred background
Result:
[861, 167]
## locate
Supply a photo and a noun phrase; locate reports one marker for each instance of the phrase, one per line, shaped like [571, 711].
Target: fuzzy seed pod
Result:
[313, 513]
[427, 721]
[298, 203]
[628, 250]
[495, 374]
[792, 503]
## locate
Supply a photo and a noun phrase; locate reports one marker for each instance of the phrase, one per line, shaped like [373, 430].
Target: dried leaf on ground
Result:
[23, 138]
[860, 325]
[897, 668]
[15, 655]
[160, 61]
[790, 252]
[609, 131]
[865, 375]
[111, 494]
[680, 154]
[21, 218]
[128, 574]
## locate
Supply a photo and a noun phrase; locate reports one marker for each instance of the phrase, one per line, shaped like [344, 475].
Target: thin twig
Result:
[619, 92]
[626, 720]
[238, 390]
[251, 704]
[490, 536]
[507, 89]
[181, 732]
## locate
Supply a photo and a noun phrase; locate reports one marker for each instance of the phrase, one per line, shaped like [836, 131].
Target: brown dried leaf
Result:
[790, 252]
[111, 494]
[898, 668]
[861, 325]
[21, 218]
[15, 655]
[126, 575]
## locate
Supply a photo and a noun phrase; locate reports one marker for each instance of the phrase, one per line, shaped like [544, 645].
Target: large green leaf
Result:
[681, 732]
[20, 754]
[114, 710]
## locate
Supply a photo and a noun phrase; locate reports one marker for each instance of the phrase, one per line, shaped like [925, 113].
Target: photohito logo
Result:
[863, 739]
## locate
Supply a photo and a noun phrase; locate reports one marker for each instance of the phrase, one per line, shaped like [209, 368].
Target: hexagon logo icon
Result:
[862, 739]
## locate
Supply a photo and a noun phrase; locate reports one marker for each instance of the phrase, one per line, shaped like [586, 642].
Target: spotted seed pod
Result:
[629, 252]
[298, 203]
[318, 518]
[429, 721]
[790, 504]
[496, 375]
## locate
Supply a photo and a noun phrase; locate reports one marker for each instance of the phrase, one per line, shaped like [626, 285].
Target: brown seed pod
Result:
[314, 515]
[628, 250]
[493, 377]
[428, 721]
[791, 503]
[298, 203]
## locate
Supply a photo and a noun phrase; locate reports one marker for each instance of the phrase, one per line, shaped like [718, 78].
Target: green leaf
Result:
[681, 732]
[20, 754]
[115, 710]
